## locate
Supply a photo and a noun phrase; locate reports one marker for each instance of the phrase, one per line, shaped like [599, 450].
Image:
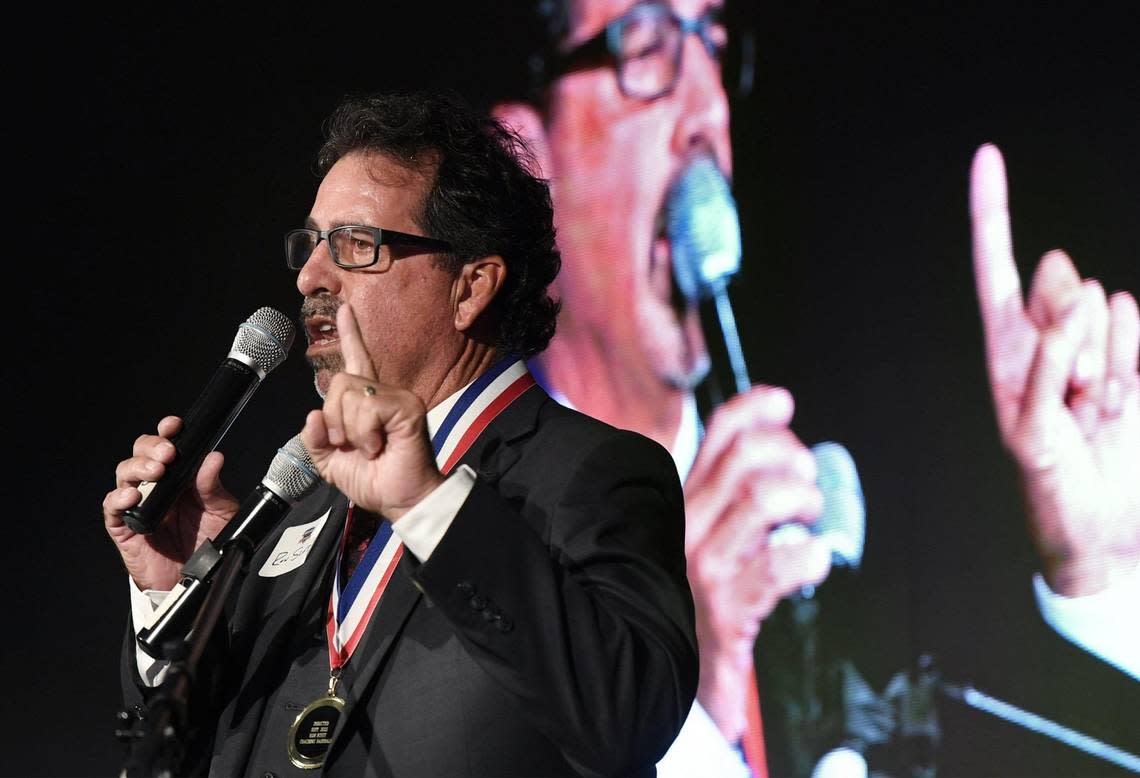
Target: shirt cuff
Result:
[143, 604]
[700, 749]
[1100, 623]
[424, 525]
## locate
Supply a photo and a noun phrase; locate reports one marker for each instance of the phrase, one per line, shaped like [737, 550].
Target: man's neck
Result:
[617, 395]
[472, 361]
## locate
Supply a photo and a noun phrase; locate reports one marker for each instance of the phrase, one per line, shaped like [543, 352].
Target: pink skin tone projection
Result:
[1062, 367]
[1063, 375]
[629, 354]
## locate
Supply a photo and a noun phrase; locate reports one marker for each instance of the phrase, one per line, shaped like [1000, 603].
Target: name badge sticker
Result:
[293, 548]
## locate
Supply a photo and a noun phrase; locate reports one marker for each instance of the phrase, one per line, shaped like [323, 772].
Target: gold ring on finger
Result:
[369, 390]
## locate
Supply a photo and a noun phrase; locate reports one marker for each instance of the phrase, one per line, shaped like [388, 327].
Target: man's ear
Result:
[525, 119]
[476, 286]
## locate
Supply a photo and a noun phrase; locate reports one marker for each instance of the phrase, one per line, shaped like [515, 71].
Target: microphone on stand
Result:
[291, 478]
[261, 344]
[183, 625]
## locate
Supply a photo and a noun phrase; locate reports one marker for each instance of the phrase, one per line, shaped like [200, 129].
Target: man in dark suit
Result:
[528, 612]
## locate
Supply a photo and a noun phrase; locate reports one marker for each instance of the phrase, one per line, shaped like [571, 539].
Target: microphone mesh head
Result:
[844, 518]
[704, 230]
[292, 475]
[264, 339]
[843, 522]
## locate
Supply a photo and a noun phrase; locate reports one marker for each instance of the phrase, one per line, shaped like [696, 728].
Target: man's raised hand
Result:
[1063, 374]
[370, 440]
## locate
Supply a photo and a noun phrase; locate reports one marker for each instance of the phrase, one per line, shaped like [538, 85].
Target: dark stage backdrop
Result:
[169, 152]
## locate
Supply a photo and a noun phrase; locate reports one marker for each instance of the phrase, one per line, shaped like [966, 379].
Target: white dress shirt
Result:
[1099, 623]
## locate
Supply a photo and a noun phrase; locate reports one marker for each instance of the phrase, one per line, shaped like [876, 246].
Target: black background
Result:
[166, 153]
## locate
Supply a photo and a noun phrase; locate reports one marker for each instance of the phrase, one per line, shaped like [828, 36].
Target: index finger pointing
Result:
[356, 358]
[995, 271]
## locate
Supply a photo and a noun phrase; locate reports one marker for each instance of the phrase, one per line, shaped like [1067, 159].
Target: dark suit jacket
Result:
[550, 633]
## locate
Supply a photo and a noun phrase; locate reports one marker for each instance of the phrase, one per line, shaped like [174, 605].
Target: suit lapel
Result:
[308, 588]
[387, 622]
[271, 607]
[495, 452]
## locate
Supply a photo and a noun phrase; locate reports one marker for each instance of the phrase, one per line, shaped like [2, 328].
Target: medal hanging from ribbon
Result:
[353, 602]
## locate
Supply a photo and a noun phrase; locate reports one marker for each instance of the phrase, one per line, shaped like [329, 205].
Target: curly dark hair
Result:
[483, 201]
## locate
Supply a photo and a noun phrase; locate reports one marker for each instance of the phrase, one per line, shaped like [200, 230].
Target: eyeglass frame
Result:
[606, 44]
[381, 237]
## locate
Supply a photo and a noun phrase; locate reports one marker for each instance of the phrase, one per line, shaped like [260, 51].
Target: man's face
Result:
[404, 312]
[612, 161]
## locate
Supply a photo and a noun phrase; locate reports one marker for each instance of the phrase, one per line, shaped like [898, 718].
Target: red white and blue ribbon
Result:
[479, 404]
[351, 605]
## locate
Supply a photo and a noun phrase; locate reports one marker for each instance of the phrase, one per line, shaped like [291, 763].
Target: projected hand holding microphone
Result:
[705, 232]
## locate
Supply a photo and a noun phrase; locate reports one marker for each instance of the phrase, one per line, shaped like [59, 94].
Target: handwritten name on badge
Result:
[293, 548]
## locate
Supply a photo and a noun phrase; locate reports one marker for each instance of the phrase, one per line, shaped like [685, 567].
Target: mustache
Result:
[323, 304]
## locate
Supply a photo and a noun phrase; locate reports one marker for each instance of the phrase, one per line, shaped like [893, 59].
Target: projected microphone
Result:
[843, 522]
[291, 478]
[261, 344]
[704, 231]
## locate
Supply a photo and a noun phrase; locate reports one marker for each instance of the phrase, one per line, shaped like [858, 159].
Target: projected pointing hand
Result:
[1063, 375]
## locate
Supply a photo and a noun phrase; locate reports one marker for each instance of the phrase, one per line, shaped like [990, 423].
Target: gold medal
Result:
[313, 730]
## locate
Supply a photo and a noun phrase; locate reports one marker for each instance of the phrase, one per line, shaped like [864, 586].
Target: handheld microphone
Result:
[291, 478]
[843, 522]
[261, 344]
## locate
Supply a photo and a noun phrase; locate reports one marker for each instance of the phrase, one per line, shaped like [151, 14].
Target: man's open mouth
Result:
[320, 330]
[661, 280]
[318, 317]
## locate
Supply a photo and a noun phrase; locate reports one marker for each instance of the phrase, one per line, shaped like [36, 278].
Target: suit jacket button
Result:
[504, 624]
[269, 774]
[477, 602]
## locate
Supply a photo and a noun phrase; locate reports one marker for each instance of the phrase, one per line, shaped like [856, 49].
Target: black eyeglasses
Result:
[354, 246]
[646, 44]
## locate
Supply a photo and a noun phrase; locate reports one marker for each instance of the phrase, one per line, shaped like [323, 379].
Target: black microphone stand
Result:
[978, 700]
[158, 742]
[913, 730]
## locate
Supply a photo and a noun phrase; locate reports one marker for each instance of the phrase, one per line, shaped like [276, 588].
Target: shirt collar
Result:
[436, 415]
[688, 441]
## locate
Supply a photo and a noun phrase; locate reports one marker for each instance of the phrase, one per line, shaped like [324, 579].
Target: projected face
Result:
[612, 159]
